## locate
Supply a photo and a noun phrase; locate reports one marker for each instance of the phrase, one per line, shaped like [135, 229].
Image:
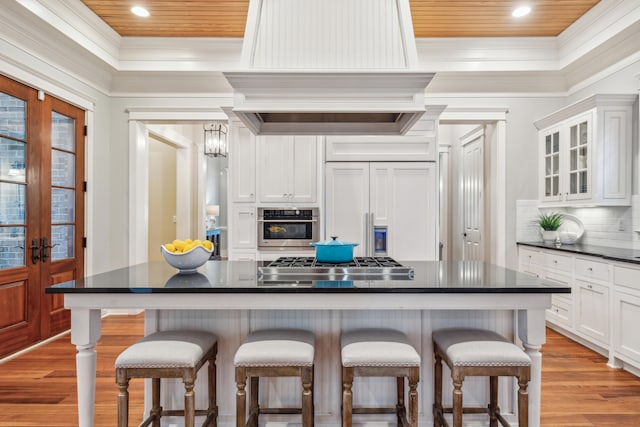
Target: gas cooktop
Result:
[358, 268]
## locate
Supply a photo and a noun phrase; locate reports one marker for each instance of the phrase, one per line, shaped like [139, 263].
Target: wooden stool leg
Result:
[414, 378]
[523, 403]
[437, 390]
[241, 396]
[213, 397]
[307, 396]
[457, 401]
[189, 401]
[347, 396]
[401, 409]
[493, 401]
[156, 409]
[123, 397]
[254, 406]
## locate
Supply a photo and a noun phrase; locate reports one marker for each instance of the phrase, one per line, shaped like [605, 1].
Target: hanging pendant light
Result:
[215, 140]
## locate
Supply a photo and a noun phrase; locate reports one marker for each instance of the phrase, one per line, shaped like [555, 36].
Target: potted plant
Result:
[549, 223]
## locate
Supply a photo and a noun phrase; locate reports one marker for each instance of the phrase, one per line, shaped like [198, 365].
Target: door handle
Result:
[35, 251]
[45, 255]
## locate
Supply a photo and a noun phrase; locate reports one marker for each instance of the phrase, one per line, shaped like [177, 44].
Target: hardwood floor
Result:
[38, 388]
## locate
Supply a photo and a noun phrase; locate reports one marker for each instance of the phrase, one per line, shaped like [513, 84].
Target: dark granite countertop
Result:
[615, 254]
[242, 277]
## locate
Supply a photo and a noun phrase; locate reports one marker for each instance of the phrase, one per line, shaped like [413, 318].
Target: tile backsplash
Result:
[604, 226]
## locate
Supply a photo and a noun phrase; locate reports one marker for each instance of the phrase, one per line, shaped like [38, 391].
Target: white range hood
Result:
[329, 67]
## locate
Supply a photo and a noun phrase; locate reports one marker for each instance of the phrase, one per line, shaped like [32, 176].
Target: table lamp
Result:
[212, 212]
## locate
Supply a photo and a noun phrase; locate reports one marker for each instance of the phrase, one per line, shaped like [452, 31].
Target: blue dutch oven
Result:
[334, 250]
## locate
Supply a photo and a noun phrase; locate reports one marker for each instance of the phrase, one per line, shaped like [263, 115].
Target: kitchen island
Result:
[232, 298]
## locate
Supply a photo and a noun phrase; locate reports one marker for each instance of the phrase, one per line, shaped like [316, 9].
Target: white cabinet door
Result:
[550, 171]
[626, 320]
[242, 159]
[244, 227]
[403, 199]
[288, 170]
[347, 204]
[304, 158]
[275, 168]
[592, 310]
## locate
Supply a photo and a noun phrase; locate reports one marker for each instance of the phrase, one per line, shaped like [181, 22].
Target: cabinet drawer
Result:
[624, 276]
[529, 257]
[560, 313]
[592, 269]
[558, 262]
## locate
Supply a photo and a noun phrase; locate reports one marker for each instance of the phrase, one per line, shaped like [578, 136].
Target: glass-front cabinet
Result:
[585, 153]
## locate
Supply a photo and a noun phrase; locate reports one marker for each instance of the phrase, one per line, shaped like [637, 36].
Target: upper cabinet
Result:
[585, 152]
[288, 169]
[242, 162]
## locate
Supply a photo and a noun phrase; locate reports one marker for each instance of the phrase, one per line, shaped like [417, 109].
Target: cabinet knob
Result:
[589, 286]
[590, 268]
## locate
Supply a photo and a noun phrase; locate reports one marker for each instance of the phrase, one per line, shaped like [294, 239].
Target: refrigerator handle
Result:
[372, 237]
[365, 244]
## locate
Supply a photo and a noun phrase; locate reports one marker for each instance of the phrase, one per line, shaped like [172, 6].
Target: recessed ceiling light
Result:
[140, 11]
[521, 11]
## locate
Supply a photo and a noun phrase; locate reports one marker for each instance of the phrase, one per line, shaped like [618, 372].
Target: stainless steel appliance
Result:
[360, 268]
[287, 228]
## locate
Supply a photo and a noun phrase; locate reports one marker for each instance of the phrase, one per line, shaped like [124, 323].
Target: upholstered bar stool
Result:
[477, 352]
[169, 354]
[274, 353]
[380, 353]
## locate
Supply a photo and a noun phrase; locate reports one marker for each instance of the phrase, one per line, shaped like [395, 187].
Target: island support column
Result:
[531, 330]
[85, 332]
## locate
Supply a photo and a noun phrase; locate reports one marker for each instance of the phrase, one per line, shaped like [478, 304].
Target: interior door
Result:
[472, 197]
[347, 212]
[41, 211]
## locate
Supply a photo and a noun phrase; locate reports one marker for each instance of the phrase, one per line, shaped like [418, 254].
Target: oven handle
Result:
[287, 220]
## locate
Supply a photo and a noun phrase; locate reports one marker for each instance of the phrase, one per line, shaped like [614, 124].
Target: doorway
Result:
[472, 183]
[162, 195]
[42, 141]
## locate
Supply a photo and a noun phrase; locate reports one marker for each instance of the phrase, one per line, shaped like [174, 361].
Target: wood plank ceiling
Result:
[431, 18]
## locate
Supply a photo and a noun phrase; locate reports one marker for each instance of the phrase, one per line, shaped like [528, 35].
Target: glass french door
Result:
[41, 211]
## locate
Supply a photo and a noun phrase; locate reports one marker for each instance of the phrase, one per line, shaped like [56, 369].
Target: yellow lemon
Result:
[179, 244]
[188, 241]
[207, 245]
[169, 247]
[197, 242]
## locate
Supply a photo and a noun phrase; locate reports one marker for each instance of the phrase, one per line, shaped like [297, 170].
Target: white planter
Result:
[549, 236]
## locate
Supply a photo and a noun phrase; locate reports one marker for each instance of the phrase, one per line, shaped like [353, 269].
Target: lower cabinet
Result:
[603, 309]
[243, 227]
[592, 310]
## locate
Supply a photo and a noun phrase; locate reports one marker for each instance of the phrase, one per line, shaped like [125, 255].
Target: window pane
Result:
[573, 155]
[62, 242]
[556, 142]
[12, 203]
[583, 158]
[13, 116]
[62, 205]
[573, 183]
[12, 247]
[556, 160]
[12, 160]
[583, 182]
[555, 190]
[63, 132]
[547, 164]
[573, 136]
[547, 144]
[547, 187]
[63, 168]
[583, 133]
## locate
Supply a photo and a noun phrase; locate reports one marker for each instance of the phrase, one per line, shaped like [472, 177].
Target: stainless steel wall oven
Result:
[287, 228]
